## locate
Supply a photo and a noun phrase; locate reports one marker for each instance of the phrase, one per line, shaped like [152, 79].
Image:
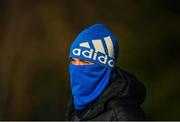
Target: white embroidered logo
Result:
[98, 46]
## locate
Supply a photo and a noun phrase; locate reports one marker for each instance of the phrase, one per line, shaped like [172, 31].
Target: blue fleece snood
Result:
[88, 82]
[97, 45]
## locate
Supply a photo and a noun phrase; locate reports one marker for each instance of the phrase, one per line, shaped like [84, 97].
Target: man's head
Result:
[93, 55]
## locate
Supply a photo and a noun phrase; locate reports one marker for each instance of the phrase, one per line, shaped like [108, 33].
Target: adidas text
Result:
[91, 54]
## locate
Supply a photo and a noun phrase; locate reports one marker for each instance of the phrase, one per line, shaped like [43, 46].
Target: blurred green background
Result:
[35, 36]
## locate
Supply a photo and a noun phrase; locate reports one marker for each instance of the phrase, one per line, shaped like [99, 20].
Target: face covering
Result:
[88, 82]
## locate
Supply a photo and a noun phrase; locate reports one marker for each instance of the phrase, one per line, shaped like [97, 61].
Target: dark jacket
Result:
[121, 100]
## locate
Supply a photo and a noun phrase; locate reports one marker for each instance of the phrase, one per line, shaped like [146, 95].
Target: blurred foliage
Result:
[35, 37]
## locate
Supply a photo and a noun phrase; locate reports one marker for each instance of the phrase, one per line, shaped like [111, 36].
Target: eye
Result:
[86, 62]
[72, 59]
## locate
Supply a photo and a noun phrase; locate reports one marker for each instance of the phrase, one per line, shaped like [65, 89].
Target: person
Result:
[101, 90]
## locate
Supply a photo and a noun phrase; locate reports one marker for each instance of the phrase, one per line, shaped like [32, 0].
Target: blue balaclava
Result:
[99, 46]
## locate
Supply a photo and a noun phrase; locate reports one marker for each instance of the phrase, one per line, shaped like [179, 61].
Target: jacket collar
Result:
[114, 89]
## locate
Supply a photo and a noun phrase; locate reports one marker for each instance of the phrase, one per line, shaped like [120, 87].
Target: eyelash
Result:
[84, 61]
[80, 60]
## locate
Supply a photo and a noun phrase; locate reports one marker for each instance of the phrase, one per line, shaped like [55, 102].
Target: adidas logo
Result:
[106, 55]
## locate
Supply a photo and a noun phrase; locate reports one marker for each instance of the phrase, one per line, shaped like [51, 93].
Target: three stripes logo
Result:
[97, 50]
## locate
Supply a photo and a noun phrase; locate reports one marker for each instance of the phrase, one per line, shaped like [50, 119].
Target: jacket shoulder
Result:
[126, 109]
